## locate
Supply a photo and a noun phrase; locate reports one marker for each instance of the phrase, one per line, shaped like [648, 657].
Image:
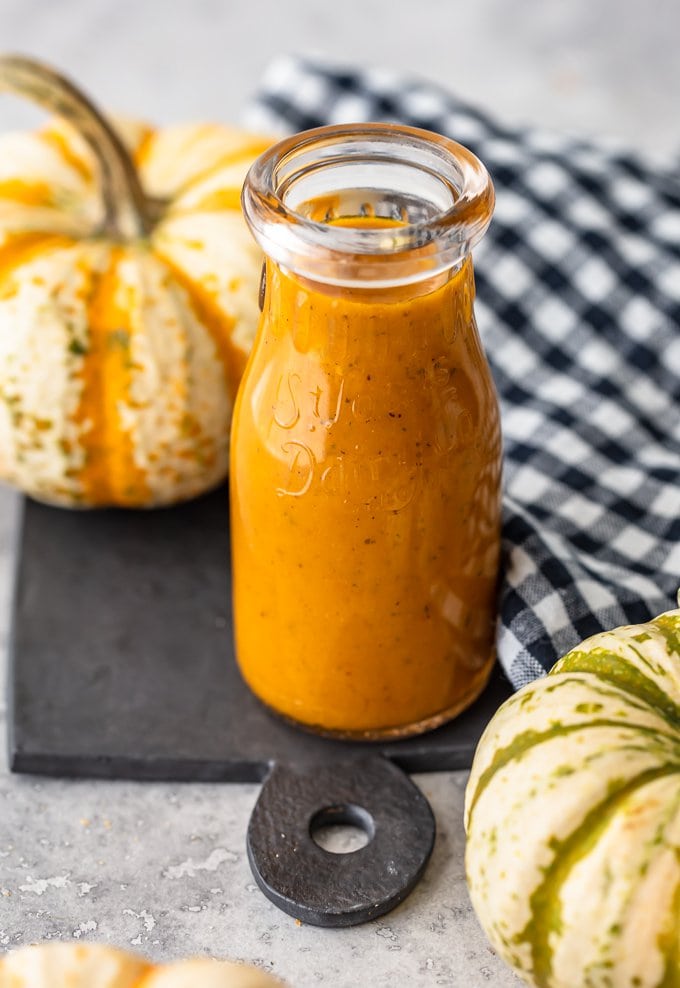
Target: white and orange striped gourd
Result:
[91, 965]
[128, 301]
[573, 816]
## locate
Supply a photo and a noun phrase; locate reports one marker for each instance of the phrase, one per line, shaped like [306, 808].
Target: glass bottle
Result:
[366, 450]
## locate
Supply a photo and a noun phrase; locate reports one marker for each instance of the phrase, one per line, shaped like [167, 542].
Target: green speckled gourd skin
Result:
[573, 817]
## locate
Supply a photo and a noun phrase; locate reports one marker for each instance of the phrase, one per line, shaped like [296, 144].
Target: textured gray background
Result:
[162, 868]
[592, 66]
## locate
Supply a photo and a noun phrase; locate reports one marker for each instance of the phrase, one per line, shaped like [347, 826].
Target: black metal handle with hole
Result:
[326, 889]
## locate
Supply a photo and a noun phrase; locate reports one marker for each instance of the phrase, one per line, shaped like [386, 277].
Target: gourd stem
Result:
[125, 212]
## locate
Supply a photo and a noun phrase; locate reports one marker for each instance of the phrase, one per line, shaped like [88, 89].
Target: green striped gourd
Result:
[573, 817]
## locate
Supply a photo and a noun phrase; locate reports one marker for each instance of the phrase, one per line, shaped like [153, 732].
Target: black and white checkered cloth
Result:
[579, 308]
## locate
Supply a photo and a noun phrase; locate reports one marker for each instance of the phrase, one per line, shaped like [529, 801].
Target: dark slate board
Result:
[122, 662]
[122, 666]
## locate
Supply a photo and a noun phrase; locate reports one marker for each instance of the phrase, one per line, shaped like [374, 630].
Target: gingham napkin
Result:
[579, 309]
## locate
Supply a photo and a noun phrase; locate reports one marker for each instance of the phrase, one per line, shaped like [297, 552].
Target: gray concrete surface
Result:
[162, 868]
[608, 67]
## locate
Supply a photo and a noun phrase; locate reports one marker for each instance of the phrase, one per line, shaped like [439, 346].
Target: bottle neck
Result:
[347, 324]
[368, 206]
[278, 277]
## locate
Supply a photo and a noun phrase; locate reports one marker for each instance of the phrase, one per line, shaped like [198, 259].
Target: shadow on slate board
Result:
[122, 666]
[122, 662]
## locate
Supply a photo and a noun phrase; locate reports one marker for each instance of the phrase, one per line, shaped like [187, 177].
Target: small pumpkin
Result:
[128, 300]
[91, 965]
[573, 816]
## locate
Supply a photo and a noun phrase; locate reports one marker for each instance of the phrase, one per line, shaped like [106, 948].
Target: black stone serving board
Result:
[122, 666]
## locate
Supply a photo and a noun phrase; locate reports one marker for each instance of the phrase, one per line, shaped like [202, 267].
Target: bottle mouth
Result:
[368, 205]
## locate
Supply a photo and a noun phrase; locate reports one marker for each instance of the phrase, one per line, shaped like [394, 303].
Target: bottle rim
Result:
[456, 218]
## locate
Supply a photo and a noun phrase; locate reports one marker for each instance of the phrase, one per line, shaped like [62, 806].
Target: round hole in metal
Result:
[342, 829]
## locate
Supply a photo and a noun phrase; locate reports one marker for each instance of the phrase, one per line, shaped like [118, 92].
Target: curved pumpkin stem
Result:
[125, 209]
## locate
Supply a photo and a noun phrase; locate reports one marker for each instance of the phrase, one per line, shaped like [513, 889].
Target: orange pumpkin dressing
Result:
[365, 505]
[110, 474]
